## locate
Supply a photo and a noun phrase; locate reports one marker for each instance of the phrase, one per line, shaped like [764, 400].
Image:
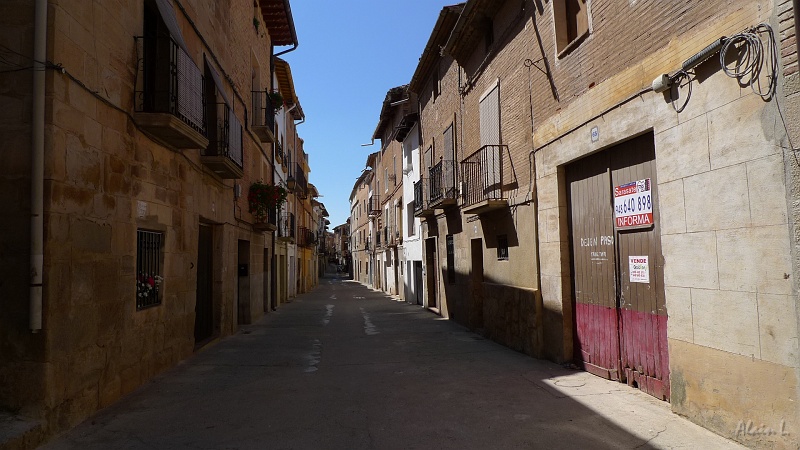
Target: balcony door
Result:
[490, 135]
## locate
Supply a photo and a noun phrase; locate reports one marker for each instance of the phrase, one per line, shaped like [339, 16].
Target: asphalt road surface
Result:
[345, 367]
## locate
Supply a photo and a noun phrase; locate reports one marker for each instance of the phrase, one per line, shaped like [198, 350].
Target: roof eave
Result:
[279, 21]
[441, 31]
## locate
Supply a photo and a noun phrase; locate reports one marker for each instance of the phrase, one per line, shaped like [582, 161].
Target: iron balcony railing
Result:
[226, 138]
[482, 175]
[298, 178]
[420, 196]
[279, 152]
[267, 220]
[442, 182]
[168, 81]
[263, 113]
[374, 206]
[286, 226]
[306, 237]
[391, 236]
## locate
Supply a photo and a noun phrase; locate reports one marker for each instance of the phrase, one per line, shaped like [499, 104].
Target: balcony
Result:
[269, 222]
[168, 97]
[442, 184]
[279, 155]
[297, 181]
[391, 236]
[286, 227]
[421, 204]
[224, 152]
[306, 237]
[374, 206]
[482, 177]
[263, 115]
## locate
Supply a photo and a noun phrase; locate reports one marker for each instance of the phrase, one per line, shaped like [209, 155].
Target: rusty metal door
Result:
[618, 269]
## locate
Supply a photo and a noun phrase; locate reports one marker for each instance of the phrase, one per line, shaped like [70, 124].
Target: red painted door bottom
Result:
[619, 309]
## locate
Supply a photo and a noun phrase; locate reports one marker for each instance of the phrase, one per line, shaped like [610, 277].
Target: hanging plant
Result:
[256, 23]
[277, 100]
[263, 197]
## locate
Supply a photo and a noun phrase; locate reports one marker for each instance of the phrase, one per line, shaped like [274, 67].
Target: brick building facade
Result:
[557, 127]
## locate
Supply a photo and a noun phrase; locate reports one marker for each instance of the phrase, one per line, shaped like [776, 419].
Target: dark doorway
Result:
[204, 305]
[476, 285]
[432, 269]
[266, 275]
[273, 286]
[418, 282]
[243, 296]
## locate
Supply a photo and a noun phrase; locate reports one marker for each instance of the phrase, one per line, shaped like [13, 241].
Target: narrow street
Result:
[345, 367]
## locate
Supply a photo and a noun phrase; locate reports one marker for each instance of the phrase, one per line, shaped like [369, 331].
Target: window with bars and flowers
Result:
[149, 268]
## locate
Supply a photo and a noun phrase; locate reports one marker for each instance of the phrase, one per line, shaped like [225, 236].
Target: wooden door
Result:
[618, 270]
[594, 266]
[642, 307]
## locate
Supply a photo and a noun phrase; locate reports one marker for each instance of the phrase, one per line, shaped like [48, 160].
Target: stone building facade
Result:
[387, 190]
[361, 227]
[152, 131]
[644, 233]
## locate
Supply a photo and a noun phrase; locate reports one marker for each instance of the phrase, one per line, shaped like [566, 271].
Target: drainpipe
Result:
[37, 165]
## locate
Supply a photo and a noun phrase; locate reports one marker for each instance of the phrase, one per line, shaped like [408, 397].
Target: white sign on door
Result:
[639, 269]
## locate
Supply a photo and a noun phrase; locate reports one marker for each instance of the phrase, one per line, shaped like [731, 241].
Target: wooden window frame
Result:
[565, 38]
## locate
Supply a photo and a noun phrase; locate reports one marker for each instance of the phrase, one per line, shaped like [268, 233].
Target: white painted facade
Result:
[412, 227]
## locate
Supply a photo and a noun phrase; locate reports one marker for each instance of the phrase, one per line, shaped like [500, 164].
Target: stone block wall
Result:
[104, 179]
[725, 231]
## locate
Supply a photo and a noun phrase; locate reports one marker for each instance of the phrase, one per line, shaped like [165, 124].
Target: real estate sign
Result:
[633, 205]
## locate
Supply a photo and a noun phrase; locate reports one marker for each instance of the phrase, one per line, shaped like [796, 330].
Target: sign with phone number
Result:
[633, 205]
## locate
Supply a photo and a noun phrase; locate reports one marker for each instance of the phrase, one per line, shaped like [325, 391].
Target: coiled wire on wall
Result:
[751, 59]
[743, 56]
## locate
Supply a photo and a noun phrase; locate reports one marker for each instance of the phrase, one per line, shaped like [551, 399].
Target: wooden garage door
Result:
[618, 284]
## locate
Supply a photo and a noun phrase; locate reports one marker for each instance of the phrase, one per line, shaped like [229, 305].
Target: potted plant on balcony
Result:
[277, 100]
[263, 202]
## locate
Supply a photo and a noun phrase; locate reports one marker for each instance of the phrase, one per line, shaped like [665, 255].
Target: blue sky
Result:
[350, 54]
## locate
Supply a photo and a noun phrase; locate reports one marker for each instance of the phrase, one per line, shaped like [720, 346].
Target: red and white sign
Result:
[639, 269]
[633, 205]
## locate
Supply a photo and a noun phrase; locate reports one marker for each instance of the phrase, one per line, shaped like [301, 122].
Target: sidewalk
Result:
[345, 367]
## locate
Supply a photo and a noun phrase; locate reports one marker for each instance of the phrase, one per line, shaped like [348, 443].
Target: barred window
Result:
[149, 268]
[451, 259]
[502, 247]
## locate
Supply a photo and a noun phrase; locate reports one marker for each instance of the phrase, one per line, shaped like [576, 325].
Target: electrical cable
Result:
[752, 63]
[751, 59]
[676, 79]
